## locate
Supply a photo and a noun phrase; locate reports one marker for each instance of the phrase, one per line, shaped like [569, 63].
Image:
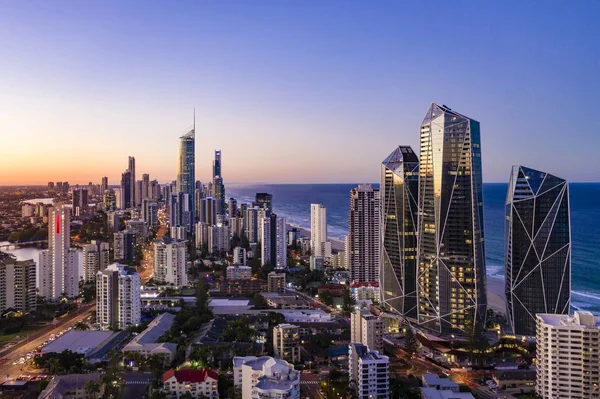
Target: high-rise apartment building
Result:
[538, 248]
[273, 241]
[124, 246]
[17, 284]
[363, 233]
[232, 208]
[138, 193]
[118, 300]
[399, 192]
[367, 329]
[239, 256]
[95, 258]
[104, 185]
[264, 201]
[451, 277]
[125, 192]
[286, 342]
[131, 170]
[186, 175]
[208, 211]
[59, 269]
[265, 378]
[369, 372]
[145, 192]
[170, 261]
[218, 238]
[80, 201]
[218, 186]
[568, 356]
[251, 224]
[318, 231]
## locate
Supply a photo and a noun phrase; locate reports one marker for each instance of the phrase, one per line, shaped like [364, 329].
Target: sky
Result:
[293, 91]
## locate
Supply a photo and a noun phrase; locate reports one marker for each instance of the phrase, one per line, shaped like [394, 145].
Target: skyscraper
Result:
[451, 279]
[95, 258]
[363, 233]
[118, 298]
[170, 262]
[537, 248]
[126, 190]
[145, 187]
[264, 200]
[80, 201]
[186, 166]
[274, 241]
[318, 230]
[131, 169]
[218, 186]
[399, 210]
[59, 271]
[104, 185]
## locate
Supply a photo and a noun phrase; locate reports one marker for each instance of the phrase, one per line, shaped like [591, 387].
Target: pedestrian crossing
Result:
[310, 382]
[137, 382]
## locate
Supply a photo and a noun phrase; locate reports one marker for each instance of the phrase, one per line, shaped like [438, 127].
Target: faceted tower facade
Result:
[451, 277]
[537, 248]
[186, 175]
[399, 209]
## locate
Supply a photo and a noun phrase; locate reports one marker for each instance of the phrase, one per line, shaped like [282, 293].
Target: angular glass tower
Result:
[451, 276]
[186, 168]
[398, 221]
[537, 248]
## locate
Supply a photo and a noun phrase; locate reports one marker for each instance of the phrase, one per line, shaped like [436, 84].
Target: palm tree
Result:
[92, 388]
[81, 326]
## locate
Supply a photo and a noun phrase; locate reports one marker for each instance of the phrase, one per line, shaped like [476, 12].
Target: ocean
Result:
[293, 201]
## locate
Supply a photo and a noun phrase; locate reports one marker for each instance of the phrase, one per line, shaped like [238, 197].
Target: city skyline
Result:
[354, 75]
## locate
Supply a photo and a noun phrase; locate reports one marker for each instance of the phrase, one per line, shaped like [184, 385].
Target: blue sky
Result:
[292, 91]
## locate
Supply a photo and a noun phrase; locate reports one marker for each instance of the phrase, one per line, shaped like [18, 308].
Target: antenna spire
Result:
[194, 121]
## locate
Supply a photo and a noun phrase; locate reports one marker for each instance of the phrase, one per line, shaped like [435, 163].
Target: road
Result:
[314, 301]
[310, 385]
[31, 344]
[146, 269]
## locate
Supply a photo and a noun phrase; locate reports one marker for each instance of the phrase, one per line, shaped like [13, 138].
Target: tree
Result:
[187, 395]
[92, 388]
[349, 302]
[410, 342]
[326, 298]
[81, 326]
[260, 302]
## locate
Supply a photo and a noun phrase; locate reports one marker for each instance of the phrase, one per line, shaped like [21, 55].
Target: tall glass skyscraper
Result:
[537, 248]
[186, 171]
[399, 210]
[218, 186]
[451, 278]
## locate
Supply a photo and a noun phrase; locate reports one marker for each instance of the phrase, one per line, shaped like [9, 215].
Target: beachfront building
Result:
[186, 180]
[286, 342]
[319, 246]
[451, 278]
[369, 372]
[399, 210]
[265, 378]
[568, 356]
[363, 234]
[170, 261]
[58, 266]
[538, 248]
[367, 329]
[118, 298]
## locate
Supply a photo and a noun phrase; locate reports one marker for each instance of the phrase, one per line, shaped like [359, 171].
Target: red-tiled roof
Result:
[190, 375]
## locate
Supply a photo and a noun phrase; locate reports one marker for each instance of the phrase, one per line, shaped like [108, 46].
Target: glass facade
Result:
[451, 276]
[537, 248]
[399, 204]
[186, 167]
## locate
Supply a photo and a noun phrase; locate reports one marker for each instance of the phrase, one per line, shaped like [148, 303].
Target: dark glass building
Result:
[264, 200]
[537, 248]
[186, 179]
[451, 277]
[398, 220]
[126, 190]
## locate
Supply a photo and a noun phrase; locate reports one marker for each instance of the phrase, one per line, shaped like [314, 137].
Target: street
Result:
[310, 386]
[10, 371]
[146, 269]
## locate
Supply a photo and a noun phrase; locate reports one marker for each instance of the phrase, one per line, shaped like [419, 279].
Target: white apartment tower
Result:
[369, 372]
[58, 268]
[286, 342]
[170, 262]
[95, 258]
[239, 256]
[118, 298]
[363, 234]
[568, 356]
[318, 231]
[367, 329]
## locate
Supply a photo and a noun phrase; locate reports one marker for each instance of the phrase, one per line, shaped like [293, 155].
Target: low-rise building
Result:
[239, 287]
[198, 383]
[516, 379]
[265, 378]
[72, 386]
[286, 342]
[432, 393]
[439, 383]
[279, 301]
[239, 272]
[146, 343]
[365, 291]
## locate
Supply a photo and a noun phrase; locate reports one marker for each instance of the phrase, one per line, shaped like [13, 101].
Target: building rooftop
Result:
[156, 329]
[432, 393]
[523, 375]
[83, 342]
[228, 302]
[363, 352]
[60, 384]
[434, 380]
[190, 375]
[581, 319]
